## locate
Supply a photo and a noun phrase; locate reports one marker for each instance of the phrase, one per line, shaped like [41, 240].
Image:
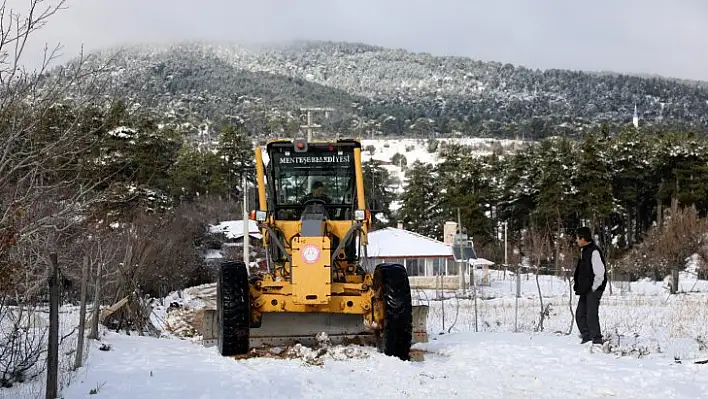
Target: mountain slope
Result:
[193, 79]
[394, 92]
[397, 74]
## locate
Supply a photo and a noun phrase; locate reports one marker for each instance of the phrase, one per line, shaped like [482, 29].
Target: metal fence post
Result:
[518, 294]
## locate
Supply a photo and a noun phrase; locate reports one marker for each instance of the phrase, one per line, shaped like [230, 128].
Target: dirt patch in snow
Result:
[311, 356]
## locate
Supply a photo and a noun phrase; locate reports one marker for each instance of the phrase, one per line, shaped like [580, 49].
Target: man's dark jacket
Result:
[584, 274]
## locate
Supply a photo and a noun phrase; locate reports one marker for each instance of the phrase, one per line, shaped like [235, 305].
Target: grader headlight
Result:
[359, 214]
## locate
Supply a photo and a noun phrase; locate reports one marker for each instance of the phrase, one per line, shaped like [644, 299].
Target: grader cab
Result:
[314, 218]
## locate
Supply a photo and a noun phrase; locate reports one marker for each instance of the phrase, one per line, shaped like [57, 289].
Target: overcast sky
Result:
[667, 37]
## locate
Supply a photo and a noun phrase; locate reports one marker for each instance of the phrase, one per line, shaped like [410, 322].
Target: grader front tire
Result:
[233, 308]
[391, 282]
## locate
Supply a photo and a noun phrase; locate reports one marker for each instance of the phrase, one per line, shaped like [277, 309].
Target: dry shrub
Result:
[667, 247]
[539, 248]
[159, 253]
[22, 342]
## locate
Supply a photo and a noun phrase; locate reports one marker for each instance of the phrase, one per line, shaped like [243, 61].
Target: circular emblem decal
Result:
[310, 253]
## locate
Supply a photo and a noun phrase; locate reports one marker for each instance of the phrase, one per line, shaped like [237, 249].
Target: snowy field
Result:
[638, 319]
[654, 342]
[468, 365]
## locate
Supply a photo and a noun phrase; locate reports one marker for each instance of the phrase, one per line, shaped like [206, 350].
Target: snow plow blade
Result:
[287, 329]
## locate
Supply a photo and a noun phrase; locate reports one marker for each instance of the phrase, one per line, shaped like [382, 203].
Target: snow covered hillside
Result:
[408, 151]
[394, 91]
[420, 149]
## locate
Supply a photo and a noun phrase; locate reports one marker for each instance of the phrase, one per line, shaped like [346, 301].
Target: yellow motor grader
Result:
[316, 280]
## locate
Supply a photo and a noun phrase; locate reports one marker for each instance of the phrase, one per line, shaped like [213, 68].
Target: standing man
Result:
[589, 284]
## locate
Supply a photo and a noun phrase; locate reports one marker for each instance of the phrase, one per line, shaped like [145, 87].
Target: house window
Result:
[394, 260]
[413, 267]
[438, 266]
[452, 267]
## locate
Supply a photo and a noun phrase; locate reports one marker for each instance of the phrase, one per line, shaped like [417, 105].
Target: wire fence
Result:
[506, 301]
[42, 340]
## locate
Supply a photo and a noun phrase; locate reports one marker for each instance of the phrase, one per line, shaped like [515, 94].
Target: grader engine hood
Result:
[313, 221]
[311, 270]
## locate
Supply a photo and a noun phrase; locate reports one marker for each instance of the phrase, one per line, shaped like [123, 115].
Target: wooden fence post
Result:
[96, 304]
[82, 314]
[53, 347]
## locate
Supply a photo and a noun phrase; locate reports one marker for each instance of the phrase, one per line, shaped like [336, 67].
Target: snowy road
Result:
[466, 365]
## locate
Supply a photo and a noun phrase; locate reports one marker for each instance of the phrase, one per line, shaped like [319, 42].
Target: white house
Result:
[233, 229]
[422, 256]
[230, 244]
[429, 262]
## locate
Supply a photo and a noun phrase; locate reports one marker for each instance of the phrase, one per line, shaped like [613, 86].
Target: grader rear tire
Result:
[233, 308]
[391, 280]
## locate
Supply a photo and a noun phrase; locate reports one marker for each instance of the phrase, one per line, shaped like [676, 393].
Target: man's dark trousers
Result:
[587, 317]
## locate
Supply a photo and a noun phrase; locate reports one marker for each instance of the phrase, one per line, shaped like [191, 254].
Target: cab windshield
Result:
[323, 176]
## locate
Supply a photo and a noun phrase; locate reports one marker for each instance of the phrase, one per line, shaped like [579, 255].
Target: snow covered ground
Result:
[468, 365]
[638, 318]
[654, 341]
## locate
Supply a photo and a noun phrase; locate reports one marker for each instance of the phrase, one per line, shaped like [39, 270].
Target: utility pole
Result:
[506, 258]
[506, 248]
[246, 221]
[461, 243]
[308, 111]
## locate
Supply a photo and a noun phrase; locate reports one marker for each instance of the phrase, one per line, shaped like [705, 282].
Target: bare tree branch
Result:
[540, 249]
[666, 248]
[44, 196]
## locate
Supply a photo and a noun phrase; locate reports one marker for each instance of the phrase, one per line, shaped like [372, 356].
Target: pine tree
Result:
[466, 186]
[421, 209]
[593, 182]
[518, 189]
[196, 173]
[681, 169]
[236, 153]
[378, 184]
[556, 202]
[633, 185]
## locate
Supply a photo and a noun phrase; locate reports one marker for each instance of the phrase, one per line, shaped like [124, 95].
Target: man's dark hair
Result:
[317, 184]
[584, 233]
